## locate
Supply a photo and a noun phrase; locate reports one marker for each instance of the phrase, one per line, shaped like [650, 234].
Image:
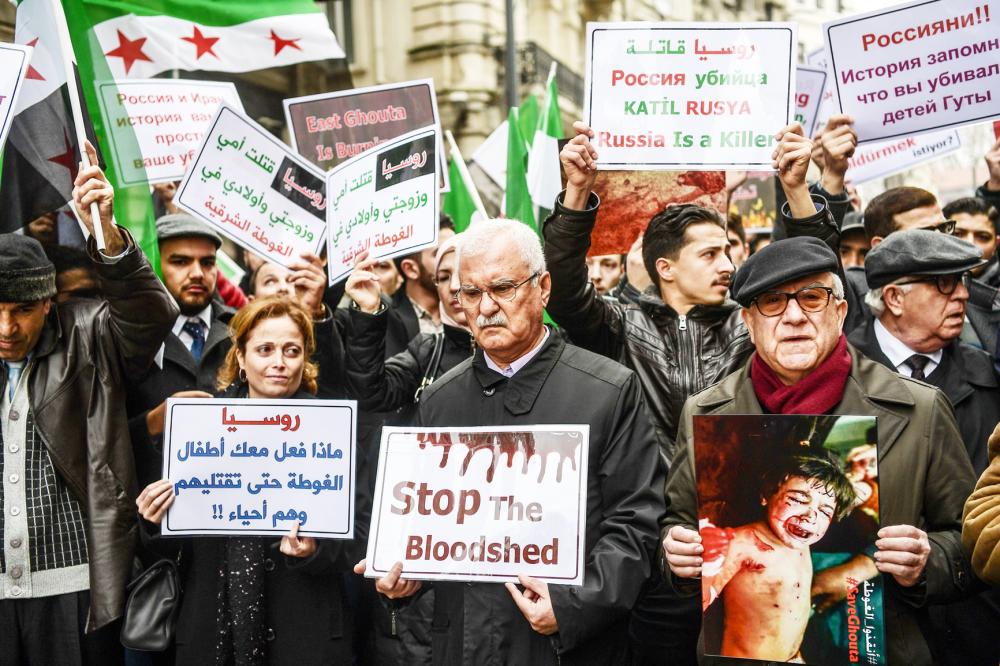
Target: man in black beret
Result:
[793, 305]
[67, 522]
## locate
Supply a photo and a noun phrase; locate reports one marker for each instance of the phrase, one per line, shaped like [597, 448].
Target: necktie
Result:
[13, 377]
[916, 364]
[194, 328]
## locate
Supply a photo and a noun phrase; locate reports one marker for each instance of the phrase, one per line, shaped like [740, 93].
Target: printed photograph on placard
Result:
[788, 515]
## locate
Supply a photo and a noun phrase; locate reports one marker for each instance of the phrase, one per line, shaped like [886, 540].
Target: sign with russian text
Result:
[384, 201]
[156, 125]
[14, 60]
[258, 467]
[688, 96]
[481, 504]
[331, 128]
[884, 158]
[250, 187]
[809, 86]
[918, 67]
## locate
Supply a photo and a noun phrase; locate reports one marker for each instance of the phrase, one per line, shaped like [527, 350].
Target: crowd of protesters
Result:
[888, 310]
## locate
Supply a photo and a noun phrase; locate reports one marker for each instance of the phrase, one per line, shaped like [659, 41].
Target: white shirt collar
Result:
[205, 316]
[897, 351]
[512, 369]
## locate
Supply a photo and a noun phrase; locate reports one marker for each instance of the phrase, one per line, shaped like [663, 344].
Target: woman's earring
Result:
[242, 375]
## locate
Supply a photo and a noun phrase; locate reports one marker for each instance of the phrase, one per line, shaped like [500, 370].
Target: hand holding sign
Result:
[838, 142]
[309, 278]
[392, 585]
[91, 186]
[363, 285]
[155, 499]
[791, 159]
[535, 604]
[993, 164]
[295, 546]
[682, 549]
[578, 162]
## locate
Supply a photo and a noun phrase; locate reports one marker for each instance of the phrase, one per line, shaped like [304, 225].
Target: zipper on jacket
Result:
[682, 322]
[392, 622]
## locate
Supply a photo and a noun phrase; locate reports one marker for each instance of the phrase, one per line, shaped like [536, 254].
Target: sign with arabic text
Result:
[14, 60]
[330, 128]
[384, 201]
[917, 67]
[250, 187]
[156, 125]
[256, 467]
[688, 96]
[481, 504]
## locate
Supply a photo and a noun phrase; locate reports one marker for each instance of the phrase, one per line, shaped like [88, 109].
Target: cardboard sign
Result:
[259, 466]
[14, 60]
[481, 504]
[810, 83]
[688, 96]
[156, 125]
[250, 187]
[331, 128]
[918, 67]
[782, 499]
[384, 201]
[878, 160]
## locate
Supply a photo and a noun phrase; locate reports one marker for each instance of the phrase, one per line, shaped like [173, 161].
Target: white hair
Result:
[484, 235]
[873, 299]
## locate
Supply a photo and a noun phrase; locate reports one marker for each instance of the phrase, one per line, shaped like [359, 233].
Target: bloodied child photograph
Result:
[788, 509]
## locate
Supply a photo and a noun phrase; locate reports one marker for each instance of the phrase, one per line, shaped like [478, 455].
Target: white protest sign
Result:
[255, 190]
[258, 466]
[384, 201]
[14, 60]
[918, 67]
[884, 158]
[809, 85]
[700, 96]
[155, 125]
[829, 105]
[481, 504]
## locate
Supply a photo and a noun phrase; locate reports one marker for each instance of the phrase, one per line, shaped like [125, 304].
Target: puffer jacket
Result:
[674, 355]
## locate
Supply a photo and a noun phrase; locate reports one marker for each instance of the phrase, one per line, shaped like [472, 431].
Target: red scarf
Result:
[817, 393]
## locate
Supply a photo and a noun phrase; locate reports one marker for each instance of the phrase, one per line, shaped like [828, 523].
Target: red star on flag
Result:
[32, 72]
[68, 158]
[280, 43]
[202, 43]
[129, 50]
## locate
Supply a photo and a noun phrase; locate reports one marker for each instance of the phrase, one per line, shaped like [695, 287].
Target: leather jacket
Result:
[674, 355]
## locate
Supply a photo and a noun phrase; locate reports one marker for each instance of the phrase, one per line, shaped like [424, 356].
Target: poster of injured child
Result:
[788, 514]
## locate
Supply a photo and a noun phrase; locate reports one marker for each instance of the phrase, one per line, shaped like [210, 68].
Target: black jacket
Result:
[403, 325]
[479, 623]
[673, 355]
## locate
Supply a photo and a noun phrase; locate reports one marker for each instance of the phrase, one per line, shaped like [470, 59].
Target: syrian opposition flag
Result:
[517, 199]
[42, 155]
[142, 39]
[544, 178]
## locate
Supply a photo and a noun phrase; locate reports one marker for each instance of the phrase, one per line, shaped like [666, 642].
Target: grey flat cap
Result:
[780, 262]
[182, 225]
[853, 220]
[919, 252]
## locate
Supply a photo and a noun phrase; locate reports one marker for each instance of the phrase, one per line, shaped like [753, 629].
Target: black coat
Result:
[403, 325]
[478, 623]
[966, 376]
[308, 614]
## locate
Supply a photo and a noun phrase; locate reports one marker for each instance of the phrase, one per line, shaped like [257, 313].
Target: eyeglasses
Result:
[944, 227]
[946, 284]
[504, 291]
[810, 299]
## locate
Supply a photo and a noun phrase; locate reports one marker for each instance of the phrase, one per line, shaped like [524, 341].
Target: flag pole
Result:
[463, 171]
[69, 56]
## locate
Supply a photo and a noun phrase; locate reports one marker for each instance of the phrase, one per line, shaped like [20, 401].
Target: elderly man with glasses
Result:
[523, 373]
[793, 305]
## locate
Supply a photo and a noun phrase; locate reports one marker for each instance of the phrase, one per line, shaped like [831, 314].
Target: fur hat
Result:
[26, 274]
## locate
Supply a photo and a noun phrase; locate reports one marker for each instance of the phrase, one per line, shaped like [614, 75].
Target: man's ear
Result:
[409, 269]
[665, 269]
[876, 240]
[48, 306]
[893, 299]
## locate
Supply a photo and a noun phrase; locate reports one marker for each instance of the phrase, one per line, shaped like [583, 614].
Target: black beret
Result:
[780, 262]
[919, 252]
[26, 274]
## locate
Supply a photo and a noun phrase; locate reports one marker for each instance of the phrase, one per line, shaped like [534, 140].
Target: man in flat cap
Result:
[67, 520]
[190, 357]
[793, 305]
[918, 292]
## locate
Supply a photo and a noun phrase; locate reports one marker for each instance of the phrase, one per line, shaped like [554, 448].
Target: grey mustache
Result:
[493, 320]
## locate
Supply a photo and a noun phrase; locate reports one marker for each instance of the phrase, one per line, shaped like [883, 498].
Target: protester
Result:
[980, 519]
[523, 374]
[854, 246]
[413, 308]
[976, 222]
[76, 276]
[794, 307]
[242, 602]
[739, 249]
[68, 530]
[990, 190]
[605, 271]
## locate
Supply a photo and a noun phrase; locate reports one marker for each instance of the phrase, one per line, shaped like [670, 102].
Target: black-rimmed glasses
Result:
[946, 284]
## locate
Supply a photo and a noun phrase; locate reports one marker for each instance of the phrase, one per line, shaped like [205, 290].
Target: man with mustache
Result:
[523, 373]
[794, 308]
